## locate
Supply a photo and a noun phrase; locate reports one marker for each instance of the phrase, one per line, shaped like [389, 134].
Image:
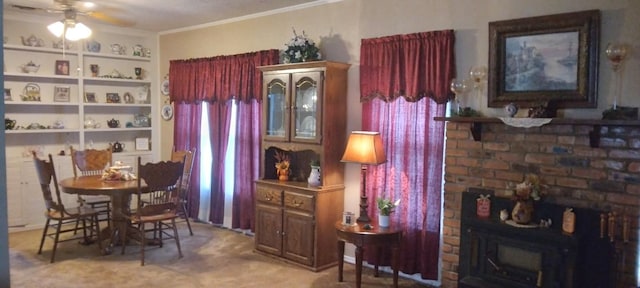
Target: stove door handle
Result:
[495, 266]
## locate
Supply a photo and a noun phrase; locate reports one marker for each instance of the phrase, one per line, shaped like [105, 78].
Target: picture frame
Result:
[7, 94]
[113, 98]
[61, 94]
[62, 67]
[127, 98]
[142, 144]
[90, 97]
[542, 60]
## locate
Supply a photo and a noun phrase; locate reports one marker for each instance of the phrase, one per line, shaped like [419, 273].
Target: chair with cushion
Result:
[157, 202]
[188, 156]
[93, 162]
[60, 218]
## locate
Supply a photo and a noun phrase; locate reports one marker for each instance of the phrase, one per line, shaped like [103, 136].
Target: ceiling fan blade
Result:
[27, 8]
[110, 19]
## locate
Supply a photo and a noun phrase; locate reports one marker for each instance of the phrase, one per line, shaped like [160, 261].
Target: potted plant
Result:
[385, 208]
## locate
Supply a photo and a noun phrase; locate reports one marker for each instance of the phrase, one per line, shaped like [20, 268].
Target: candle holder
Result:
[616, 53]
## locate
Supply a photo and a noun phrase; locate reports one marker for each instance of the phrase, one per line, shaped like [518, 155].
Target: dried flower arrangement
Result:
[531, 188]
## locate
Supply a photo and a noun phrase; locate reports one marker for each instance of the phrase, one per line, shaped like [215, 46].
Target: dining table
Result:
[119, 191]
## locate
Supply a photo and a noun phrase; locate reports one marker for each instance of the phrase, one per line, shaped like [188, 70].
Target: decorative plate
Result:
[167, 112]
[164, 87]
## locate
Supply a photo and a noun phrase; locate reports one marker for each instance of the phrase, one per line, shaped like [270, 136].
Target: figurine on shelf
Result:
[547, 109]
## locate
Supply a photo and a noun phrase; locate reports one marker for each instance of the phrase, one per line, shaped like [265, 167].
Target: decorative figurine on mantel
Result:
[547, 109]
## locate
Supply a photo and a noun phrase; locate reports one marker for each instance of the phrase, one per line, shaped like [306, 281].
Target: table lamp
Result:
[365, 148]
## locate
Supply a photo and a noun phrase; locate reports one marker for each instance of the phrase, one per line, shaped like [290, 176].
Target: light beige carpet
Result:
[213, 257]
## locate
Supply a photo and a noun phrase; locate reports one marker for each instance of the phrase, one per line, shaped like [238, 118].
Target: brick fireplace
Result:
[588, 164]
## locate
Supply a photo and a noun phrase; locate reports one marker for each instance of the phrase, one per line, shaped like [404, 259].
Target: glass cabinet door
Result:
[306, 118]
[276, 111]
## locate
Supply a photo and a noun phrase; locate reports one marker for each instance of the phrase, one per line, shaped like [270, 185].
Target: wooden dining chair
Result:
[157, 202]
[93, 162]
[60, 218]
[183, 195]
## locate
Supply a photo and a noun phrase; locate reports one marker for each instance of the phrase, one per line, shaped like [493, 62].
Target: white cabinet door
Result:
[32, 200]
[14, 193]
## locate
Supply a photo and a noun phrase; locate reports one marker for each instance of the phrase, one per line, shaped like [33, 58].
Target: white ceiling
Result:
[162, 15]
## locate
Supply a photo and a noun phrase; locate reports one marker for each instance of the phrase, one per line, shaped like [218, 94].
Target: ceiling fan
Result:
[71, 9]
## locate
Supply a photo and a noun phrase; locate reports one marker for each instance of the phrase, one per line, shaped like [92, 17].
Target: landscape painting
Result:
[542, 62]
[549, 60]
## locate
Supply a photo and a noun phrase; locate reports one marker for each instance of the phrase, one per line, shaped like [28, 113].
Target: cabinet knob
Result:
[267, 198]
[296, 203]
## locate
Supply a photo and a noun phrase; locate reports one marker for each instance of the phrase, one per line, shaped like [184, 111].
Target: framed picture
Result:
[127, 98]
[62, 67]
[142, 143]
[90, 97]
[113, 98]
[61, 93]
[549, 59]
[7, 94]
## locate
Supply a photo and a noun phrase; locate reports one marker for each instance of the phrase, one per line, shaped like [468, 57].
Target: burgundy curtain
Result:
[247, 157]
[216, 80]
[397, 73]
[219, 125]
[219, 78]
[412, 173]
[186, 135]
[412, 66]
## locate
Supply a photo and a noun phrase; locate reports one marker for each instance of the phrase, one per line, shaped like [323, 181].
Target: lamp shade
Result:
[364, 147]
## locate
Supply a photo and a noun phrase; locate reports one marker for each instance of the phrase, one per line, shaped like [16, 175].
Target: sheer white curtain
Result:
[205, 171]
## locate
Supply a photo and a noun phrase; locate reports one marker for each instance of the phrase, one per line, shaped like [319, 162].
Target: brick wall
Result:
[603, 178]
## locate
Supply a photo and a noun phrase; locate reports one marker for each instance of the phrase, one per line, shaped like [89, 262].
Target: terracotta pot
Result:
[522, 212]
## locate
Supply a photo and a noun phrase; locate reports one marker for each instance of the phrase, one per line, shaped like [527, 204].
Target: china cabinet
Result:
[56, 107]
[304, 119]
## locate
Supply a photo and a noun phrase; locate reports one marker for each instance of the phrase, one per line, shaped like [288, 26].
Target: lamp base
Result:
[364, 207]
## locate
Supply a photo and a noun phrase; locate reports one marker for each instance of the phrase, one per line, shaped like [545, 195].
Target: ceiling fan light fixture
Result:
[77, 32]
[71, 30]
[56, 28]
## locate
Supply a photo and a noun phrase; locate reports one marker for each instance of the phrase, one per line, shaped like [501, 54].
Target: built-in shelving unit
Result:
[64, 117]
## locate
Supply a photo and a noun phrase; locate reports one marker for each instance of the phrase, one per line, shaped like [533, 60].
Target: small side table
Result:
[380, 237]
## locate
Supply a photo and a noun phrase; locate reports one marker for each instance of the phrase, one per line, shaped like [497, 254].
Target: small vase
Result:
[314, 177]
[522, 212]
[383, 220]
[283, 174]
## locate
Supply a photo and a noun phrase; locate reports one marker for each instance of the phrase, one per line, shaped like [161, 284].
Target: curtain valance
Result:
[412, 66]
[219, 78]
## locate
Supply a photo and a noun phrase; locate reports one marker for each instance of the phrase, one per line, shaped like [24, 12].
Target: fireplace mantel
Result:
[594, 135]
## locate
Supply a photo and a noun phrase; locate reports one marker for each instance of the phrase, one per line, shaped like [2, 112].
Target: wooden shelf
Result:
[594, 135]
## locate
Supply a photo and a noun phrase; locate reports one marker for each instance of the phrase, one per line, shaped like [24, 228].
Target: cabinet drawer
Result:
[299, 201]
[269, 195]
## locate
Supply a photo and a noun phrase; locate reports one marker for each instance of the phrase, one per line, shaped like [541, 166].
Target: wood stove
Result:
[494, 254]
